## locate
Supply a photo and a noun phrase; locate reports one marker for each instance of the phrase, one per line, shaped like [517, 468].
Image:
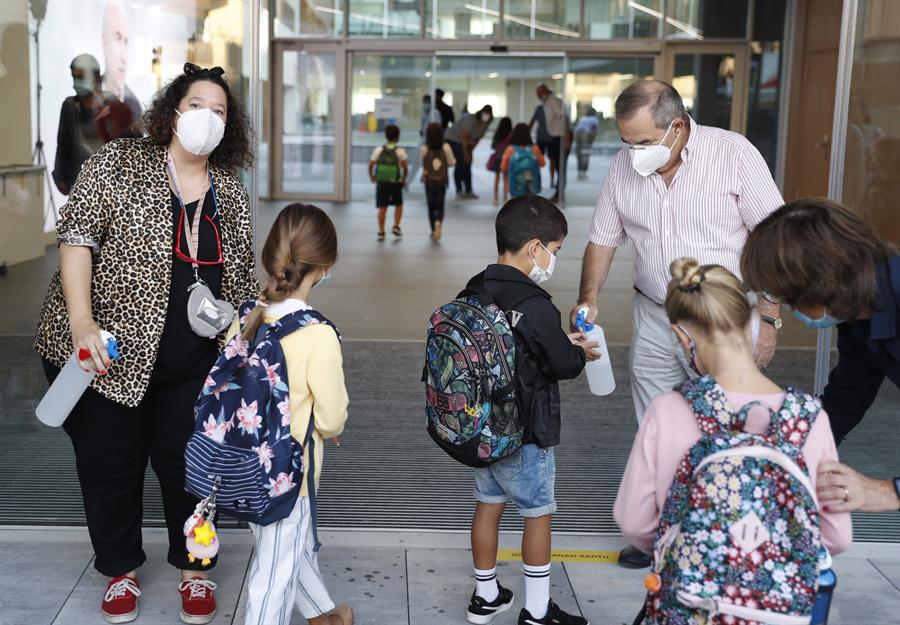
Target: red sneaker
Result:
[198, 606]
[120, 602]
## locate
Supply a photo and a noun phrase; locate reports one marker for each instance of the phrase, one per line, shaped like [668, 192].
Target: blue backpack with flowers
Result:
[739, 537]
[242, 448]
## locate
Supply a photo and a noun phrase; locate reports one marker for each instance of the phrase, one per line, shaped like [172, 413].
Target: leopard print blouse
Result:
[121, 208]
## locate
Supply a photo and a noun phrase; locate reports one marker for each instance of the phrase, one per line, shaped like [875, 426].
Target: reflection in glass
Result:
[384, 18]
[765, 78]
[531, 19]
[308, 17]
[872, 156]
[621, 19]
[308, 124]
[706, 84]
[462, 19]
[706, 19]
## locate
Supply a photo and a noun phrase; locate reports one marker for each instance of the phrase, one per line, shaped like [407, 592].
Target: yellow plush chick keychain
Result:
[201, 540]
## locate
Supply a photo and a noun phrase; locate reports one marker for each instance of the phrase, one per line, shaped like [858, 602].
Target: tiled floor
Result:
[389, 578]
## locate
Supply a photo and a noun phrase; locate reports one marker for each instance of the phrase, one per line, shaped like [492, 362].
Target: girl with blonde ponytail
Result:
[298, 256]
[711, 316]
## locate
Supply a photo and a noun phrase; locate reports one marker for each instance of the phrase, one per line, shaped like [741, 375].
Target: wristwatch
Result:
[775, 322]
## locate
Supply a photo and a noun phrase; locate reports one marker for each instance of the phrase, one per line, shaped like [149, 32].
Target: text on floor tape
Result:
[565, 555]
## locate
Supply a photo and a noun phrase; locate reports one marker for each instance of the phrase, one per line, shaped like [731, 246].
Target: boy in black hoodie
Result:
[530, 232]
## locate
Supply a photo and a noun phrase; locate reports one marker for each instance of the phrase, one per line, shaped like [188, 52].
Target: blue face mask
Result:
[323, 280]
[822, 323]
[693, 346]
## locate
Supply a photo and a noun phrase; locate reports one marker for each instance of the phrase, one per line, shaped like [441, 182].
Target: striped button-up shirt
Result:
[722, 189]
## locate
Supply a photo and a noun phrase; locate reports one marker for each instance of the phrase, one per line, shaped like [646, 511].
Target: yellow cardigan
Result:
[316, 381]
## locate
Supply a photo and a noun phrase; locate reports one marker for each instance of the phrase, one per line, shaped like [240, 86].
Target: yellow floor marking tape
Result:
[565, 555]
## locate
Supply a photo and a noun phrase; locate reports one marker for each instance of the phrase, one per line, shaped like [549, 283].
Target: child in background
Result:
[298, 255]
[499, 144]
[530, 232]
[436, 158]
[711, 317]
[521, 164]
[388, 168]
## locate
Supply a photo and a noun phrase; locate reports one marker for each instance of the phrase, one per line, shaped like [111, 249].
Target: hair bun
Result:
[687, 272]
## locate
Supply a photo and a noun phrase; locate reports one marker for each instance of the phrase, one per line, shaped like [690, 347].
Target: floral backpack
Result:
[738, 539]
[242, 450]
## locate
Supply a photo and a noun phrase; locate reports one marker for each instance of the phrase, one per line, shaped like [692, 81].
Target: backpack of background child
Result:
[469, 375]
[242, 445]
[524, 171]
[739, 535]
[387, 166]
[434, 167]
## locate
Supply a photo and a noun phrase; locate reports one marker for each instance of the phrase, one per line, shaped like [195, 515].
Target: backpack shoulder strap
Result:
[300, 319]
[710, 406]
[792, 423]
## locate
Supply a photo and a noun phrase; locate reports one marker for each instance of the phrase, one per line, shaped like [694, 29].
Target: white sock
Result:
[486, 584]
[537, 589]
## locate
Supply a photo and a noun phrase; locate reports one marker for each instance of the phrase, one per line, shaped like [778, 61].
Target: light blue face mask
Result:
[822, 323]
[324, 279]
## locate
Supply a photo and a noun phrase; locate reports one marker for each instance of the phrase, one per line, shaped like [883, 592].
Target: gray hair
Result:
[662, 98]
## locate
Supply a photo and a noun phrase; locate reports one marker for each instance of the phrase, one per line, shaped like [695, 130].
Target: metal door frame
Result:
[276, 156]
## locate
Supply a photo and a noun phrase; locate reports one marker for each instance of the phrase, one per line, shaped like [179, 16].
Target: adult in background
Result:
[557, 124]
[832, 269]
[585, 134]
[538, 125]
[677, 189]
[145, 222]
[463, 136]
[444, 110]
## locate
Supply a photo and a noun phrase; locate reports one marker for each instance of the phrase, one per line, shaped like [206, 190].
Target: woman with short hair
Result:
[156, 248]
[832, 269]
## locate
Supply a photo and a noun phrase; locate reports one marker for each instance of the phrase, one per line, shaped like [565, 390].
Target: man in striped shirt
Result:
[678, 189]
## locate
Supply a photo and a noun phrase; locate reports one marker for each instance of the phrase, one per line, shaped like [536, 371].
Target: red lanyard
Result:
[194, 228]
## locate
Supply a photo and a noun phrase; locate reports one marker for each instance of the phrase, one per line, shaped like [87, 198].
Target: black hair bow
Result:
[195, 70]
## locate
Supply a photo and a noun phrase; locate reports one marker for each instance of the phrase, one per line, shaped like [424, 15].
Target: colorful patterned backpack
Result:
[738, 539]
[470, 380]
[242, 445]
[524, 172]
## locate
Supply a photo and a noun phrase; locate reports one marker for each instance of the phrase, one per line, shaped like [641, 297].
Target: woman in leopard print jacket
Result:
[125, 267]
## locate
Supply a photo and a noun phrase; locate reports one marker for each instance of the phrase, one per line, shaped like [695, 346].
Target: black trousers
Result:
[462, 173]
[112, 444]
[434, 196]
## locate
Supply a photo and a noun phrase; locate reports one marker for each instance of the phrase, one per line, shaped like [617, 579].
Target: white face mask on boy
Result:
[538, 273]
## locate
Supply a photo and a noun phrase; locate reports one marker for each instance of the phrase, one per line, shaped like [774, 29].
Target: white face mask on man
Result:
[646, 159]
[486, 118]
[199, 130]
[538, 273]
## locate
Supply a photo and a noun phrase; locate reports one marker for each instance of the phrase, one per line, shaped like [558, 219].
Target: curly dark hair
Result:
[234, 151]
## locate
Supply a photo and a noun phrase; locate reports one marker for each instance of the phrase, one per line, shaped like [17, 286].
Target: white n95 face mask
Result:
[199, 131]
[647, 159]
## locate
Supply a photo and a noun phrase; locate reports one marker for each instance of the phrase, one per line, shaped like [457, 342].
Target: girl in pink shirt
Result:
[711, 318]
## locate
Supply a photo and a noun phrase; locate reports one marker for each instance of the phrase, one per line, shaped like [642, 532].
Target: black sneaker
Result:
[481, 612]
[554, 616]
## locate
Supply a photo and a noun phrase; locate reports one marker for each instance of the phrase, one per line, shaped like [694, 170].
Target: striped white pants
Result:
[285, 571]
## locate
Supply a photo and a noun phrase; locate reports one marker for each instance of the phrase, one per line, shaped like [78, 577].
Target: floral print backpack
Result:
[739, 534]
[242, 448]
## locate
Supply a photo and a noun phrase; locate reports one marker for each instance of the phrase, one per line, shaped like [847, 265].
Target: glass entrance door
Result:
[308, 145]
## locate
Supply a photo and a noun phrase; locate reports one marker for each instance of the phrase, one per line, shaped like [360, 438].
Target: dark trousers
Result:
[584, 142]
[112, 444]
[462, 173]
[434, 196]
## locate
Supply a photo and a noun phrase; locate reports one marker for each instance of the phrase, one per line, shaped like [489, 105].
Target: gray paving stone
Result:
[160, 603]
[889, 568]
[607, 593]
[441, 583]
[862, 595]
[36, 579]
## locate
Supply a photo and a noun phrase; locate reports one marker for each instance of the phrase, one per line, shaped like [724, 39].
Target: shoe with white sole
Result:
[198, 605]
[120, 603]
[482, 612]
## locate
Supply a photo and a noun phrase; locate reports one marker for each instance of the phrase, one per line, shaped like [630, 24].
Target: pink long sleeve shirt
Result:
[669, 430]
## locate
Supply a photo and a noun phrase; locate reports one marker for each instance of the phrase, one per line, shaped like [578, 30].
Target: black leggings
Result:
[112, 444]
[462, 172]
[434, 195]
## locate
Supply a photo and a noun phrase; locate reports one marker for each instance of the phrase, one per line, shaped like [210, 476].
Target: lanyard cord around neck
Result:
[193, 229]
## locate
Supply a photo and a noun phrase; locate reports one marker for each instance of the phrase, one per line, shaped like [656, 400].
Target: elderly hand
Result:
[765, 345]
[841, 489]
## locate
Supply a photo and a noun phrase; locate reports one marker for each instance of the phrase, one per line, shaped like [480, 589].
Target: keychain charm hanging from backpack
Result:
[201, 540]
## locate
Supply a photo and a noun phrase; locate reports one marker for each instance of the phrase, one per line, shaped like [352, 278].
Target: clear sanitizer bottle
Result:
[69, 386]
[599, 372]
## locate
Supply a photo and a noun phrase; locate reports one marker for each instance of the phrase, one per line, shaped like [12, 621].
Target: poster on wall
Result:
[102, 61]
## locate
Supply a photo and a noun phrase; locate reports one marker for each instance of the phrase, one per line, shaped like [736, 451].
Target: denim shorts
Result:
[526, 478]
